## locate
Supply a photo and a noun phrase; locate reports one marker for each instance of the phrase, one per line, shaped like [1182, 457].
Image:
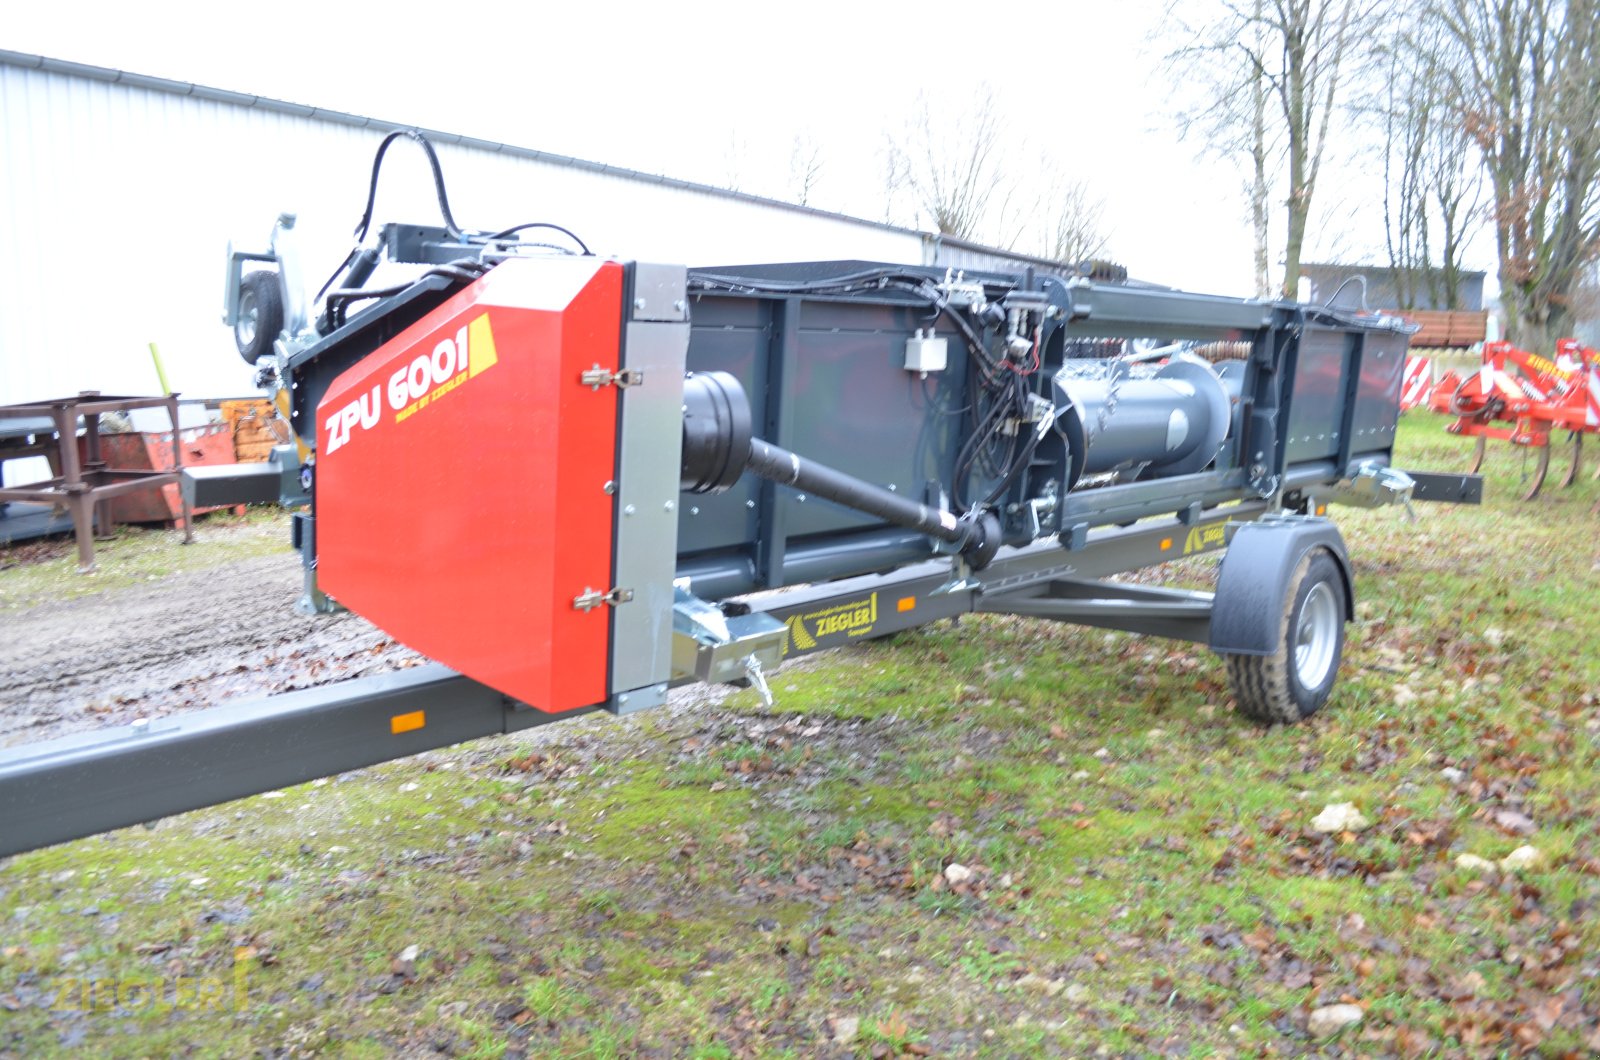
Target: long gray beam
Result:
[80, 785]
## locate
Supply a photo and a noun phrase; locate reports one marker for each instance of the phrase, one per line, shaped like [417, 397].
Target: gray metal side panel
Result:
[648, 459]
[1377, 411]
[1316, 408]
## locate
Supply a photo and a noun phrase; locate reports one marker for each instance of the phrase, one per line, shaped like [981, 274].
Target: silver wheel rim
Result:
[249, 313]
[1316, 636]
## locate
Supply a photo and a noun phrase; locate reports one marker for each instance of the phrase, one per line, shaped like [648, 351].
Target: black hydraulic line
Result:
[438, 183]
[353, 259]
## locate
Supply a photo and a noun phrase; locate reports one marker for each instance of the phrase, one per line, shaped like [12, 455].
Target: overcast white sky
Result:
[718, 92]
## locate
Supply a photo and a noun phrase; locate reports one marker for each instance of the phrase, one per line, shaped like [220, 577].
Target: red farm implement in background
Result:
[1525, 398]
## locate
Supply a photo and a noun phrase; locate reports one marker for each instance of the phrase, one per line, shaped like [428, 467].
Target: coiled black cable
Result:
[438, 183]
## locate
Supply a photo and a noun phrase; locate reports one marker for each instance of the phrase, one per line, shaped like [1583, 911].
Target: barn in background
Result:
[119, 194]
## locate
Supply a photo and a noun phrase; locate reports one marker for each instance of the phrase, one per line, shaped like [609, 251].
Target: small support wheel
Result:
[260, 316]
[1294, 681]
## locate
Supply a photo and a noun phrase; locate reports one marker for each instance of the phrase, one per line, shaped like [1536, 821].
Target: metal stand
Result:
[84, 480]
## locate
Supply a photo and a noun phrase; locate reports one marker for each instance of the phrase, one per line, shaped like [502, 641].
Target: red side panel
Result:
[461, 473]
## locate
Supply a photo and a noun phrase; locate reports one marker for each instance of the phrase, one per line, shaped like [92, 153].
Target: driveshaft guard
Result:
[462, 478]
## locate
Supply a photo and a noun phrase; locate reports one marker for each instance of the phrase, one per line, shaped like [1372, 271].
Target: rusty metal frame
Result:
[84, 479]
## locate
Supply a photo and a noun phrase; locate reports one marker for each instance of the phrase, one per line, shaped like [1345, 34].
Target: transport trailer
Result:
[654, 475]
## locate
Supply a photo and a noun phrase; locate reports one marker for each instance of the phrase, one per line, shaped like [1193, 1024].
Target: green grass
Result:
[738, 881]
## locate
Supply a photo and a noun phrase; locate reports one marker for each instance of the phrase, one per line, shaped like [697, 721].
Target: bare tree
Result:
[734, 157]
[1260, 189]
[1586, 306]
[1526, 89]
[1432, 191]
[949, 164]
[1070, 225]
[1270, 79]
[952, 167]
[805, 168]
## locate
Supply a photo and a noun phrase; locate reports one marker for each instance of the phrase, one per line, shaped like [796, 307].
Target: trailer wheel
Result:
[260, 316]
[1296, 679]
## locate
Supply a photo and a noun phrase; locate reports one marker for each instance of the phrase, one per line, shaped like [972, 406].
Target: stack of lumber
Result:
[1446, 328]
[256, 427]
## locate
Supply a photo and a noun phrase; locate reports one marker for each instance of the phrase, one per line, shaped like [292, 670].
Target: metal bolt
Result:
[610, 488]
[679, 306]
[141, 726]
[661, 690]
[749, 504]
[695, 510]
[638, 303]
[622, 699]
[670, 506]
[627, 509]
[891, 487]
[801, 498]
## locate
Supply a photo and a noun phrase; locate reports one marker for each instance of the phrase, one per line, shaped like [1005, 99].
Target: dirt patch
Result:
[187, 641]
[192, 639]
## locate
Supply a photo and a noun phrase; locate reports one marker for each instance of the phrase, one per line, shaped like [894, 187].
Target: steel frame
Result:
[85, 480]
[57, 790]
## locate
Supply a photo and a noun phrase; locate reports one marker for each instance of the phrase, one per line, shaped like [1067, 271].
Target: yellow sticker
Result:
[855, 619]
[1201, 538]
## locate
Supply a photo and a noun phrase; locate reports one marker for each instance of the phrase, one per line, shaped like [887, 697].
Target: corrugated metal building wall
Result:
[119, 193]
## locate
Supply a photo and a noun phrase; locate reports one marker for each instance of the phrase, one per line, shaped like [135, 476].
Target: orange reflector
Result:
[1322, 509]
[1166, 543]
[906, 603]
[407, 722]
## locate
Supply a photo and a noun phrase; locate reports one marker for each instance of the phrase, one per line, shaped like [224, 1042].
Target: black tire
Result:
[260, 316]
[1289, 686]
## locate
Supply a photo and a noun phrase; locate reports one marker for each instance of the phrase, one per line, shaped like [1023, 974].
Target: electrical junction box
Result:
[925, 353]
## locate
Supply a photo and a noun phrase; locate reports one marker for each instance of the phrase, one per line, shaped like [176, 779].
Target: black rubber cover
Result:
[1247, 612]
[716, 432]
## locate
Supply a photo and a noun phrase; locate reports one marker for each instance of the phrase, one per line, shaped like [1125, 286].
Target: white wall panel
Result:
[119, 193]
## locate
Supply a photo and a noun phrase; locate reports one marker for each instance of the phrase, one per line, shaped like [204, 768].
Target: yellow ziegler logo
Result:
[1546, 367]
[414, 386]
[855, 619]
[1203, 537]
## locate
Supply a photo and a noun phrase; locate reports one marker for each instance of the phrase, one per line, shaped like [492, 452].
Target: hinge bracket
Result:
[590, 599]
[597, 377]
